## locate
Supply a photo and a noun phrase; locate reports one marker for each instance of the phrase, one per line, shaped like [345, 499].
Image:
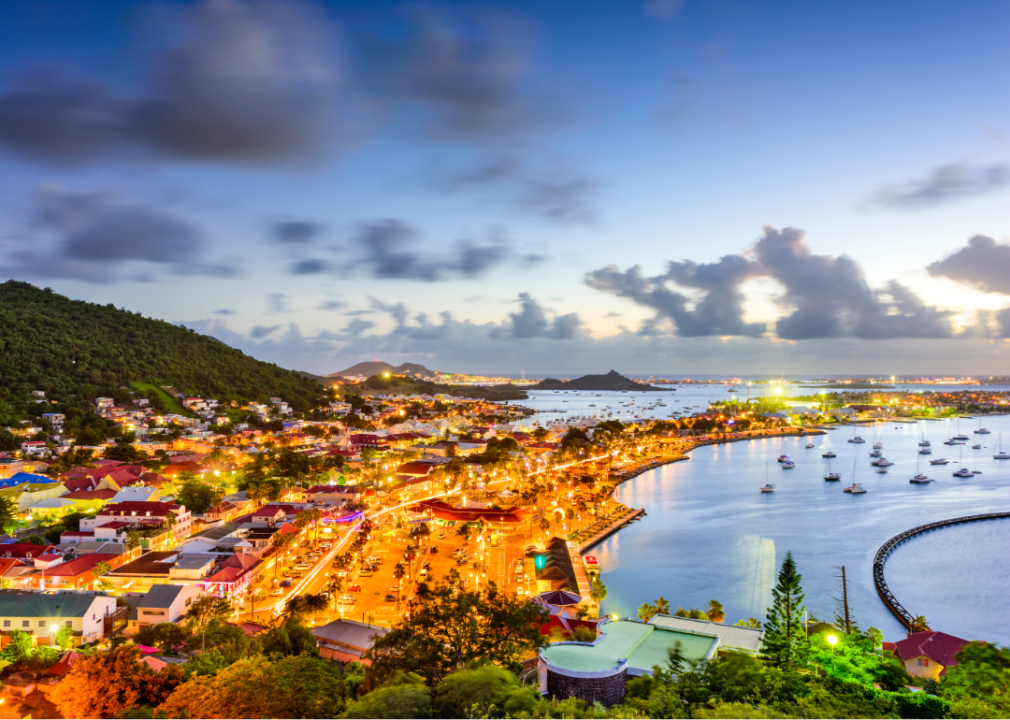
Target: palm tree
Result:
[333, 587]
[399, 571]
[749, 623]
[919, 624]
[714, 611]
[662, 606]
[255, 595]
[646, 612]
[597, 590]
[133, 540]
[280, 541]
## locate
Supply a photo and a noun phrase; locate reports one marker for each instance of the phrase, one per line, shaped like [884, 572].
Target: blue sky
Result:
[804, 187]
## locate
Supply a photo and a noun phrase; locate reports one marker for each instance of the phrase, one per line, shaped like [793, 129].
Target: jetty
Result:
[610, 529]
[897, 609]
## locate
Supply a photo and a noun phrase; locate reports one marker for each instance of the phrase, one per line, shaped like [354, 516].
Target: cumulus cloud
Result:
[294, 232]
[825, 296]
[944, 184]
[983, 264]
[531, 322]
[99, 237]
[260, 331]
[237, 82]
[390, 249]
[310, 266]
[719, 312]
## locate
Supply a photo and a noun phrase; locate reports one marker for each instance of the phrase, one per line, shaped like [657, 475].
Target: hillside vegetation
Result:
[401, 385]
[76, 351]
[612, 381]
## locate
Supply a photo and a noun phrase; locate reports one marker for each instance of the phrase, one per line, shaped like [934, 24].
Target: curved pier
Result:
[880, 558]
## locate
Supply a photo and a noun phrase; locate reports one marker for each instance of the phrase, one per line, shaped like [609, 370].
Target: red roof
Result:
[141, 507]
[21, 550]
[937, 646]
[442, 511]
[104, 494]
[77, 566]
[114, 525]
[75, 534]
[415, 468]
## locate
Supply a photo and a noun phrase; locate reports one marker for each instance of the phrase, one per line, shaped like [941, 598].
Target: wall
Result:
[607, 690]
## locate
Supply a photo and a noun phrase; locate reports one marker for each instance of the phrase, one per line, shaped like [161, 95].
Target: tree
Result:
[105, 684]
[399, 572]
[447, 629]
[714, 611]
[289, 637]
[597, 590]
[133, 540]
[979, 685]
[299, 686]
[280, 542]
[8, 514]
[785, 641]
[403, 697]
[464, 531]
[38, 540]
[662, 606]
[646, 612]
[749, 623]
[164, 636]
[203, 611]
[473, 692]
[197, 495]
[919, 624]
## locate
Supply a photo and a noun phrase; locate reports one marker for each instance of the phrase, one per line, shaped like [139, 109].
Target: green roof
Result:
[643, 646]
[38, 605]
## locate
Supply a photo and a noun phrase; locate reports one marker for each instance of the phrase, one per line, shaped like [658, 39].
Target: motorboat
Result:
[938, 461]
[788, 465]
[878, 446]
[768, 488]
[829, 454]
[809, 445]
[882, 462]
[876, 453]
[963, 472]
[783, 458]
[855, 489]
[920, 480]
[976, 446]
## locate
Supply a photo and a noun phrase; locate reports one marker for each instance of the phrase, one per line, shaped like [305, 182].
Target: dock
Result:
[613, 527]
[897, 609]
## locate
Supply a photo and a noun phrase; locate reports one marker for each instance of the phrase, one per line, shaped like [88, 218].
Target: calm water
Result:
[710, 533]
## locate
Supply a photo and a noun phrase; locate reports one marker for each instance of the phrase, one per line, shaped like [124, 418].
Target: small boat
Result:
[808, 445]
[925, 451]
[963, 472]
[938, 461]
[976, 472]
[976, 447]
[829, 454]
[783, 458]
[920, 480]
[878, 446]
[855, 489]
[788, 465]
[882, 462]
[1000, 455]
[768, 488]
[876, 453]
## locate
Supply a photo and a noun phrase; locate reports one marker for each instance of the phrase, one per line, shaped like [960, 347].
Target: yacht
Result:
[856, 439]
[876, 453]
[963, 472]
[920, 479]
[950, 441]
[832, 476]
[882, 462]
[925, 451]
[768, 488]
[855, 489]
[878, 446]
[961, 437]
[924, 443]
[788, 465]
[829, 454]
[938, 461]
[1000, 455]
[981, 430]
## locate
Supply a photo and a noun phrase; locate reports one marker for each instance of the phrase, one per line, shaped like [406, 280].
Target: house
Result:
[42, 615]
[165, 603]
[33, 447]
[927, 654]
[159, 523]
[30, 493]
[346, 640]
[137, 493]
[62, 572]
[90, 500]
[333, 493]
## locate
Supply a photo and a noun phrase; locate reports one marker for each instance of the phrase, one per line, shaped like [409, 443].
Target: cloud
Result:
[294, 232]
[829, 296]
[224, 311]
[387, 250]
[259, 332]
[825, 296]
[311, 266]
[944, 184]
[249, 83]
[332, 305]
[719, 312]
[357, 326]
[531, 322]
[982, 264]
[277, 303]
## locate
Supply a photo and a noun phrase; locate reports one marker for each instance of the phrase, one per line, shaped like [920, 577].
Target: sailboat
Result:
[1000, 455]
[960, 437]
[963, 472]
[924, 446]
[832, 476]
[981, 430]
[855, 488]
[767, 487]
[855, 438]
[919, 478]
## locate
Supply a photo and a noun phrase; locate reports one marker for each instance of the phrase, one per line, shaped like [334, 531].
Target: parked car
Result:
[434, 550]
[285, 583]
[348, 599]
[390, 598]
[395, 588]
[364, 573]
[354, 588]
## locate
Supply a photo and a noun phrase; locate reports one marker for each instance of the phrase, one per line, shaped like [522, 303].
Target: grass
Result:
[172, 404]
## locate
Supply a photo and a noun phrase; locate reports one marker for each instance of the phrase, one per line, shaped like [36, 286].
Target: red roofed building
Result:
[25, 551]
[160, 524]
[74, 574]
[445, 514]
[927, 654]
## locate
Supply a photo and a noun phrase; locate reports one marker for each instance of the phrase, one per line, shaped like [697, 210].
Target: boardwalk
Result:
[892, 603]
[611, 529]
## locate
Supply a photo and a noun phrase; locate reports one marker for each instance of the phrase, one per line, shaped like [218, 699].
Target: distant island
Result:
[368, 369]
[613, 381]
[851, 386]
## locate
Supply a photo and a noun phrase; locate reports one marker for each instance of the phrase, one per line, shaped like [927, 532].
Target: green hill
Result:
[76, 351]
[613, 381]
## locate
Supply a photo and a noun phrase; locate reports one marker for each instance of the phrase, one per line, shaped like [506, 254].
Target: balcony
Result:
[116, 621]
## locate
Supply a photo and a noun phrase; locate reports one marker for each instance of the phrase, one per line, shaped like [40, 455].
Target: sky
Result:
[658, 187]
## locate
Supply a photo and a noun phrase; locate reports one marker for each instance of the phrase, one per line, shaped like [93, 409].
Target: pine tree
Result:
[785, 641]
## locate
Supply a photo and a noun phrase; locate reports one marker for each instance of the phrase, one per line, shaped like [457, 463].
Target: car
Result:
[441, 536]
[395, 588]
[285, 583]
[342, 572]
[354, 588]
[364, 573]
[390, 598]
[434, 550]
[348, 599]
[277, 593]
[303, 566]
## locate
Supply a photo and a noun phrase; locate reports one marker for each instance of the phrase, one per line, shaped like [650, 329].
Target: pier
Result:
[904, 616]
[611, 529]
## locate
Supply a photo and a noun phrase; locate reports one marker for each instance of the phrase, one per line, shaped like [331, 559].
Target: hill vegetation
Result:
[402, 385]
[75, 351]
[377, 367]
[613, 381]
